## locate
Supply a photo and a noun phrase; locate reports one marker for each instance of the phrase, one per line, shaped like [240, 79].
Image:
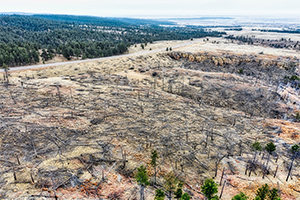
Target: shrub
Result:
[240, 196]
[262, 193]
[159, 195]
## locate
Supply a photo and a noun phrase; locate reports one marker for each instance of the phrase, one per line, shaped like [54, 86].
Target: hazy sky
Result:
[154, 7]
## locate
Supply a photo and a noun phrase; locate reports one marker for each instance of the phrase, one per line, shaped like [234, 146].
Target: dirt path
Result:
[96, 59]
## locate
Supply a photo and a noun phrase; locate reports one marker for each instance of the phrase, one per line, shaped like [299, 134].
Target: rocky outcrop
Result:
[232, 59]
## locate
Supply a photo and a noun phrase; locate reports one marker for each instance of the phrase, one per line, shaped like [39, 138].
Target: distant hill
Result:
[15, 13]
[113, 21]
[202, 18]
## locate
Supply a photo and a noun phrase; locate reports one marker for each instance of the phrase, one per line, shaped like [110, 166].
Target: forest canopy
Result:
[24, 39]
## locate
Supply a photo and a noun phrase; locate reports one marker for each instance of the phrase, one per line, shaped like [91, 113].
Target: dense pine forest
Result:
[26, 39]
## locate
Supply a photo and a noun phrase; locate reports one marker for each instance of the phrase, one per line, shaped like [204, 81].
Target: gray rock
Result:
[119, 178]
[278, 130]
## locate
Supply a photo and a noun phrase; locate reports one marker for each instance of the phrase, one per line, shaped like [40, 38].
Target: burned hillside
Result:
[83, 130]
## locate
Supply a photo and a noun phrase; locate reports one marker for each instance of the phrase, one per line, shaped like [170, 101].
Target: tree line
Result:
[282, 43]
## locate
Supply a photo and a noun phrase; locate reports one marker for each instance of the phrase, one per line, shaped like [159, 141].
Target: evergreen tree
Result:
[142, 179]
[77, 53]
[84, 56]
[44, 55]
[240, 196]
[170, 183]
[65, 53]
[273, 195]
[1, 60]
[256, 146]
[159, 195]
[209, 189]
[154, 163]
[186, 196]
[262, 193]
[36, 57]
[270, 147]
[11, 60]
[178, 193]
[295, 148]
[295, 151]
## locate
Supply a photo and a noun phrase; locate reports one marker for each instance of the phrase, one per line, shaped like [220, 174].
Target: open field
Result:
[263, 35]
[220, 45]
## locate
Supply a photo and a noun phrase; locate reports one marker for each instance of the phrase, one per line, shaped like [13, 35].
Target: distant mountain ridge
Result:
[15, 13]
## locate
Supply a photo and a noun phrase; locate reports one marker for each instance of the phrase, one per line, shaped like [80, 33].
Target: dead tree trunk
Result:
[222, 176]
[290, 170]
[276, 171]
[59, 95]
[223, 189]
[6, 74]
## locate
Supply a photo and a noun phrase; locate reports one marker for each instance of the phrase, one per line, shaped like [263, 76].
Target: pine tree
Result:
[273, 195]
[262, 193]
[270, 148]
[154, 163]
[186, 196]
[209, 189]
[159, 195]
[178, 193]
[36, 56]
[44, 55]
[170, 183]
[142, 179]
[240, 196]
[1, 60]
[295, 150]
[256, 147]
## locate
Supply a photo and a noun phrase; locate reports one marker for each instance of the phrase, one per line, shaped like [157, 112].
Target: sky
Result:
[153, 8]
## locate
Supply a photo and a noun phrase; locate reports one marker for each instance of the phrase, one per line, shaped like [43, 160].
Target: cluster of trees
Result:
[210, 189]
[270, 149]
[18, 54]
[233, 29]
[297, 31]
[84, 37]
[282, 43]
[173, 186]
